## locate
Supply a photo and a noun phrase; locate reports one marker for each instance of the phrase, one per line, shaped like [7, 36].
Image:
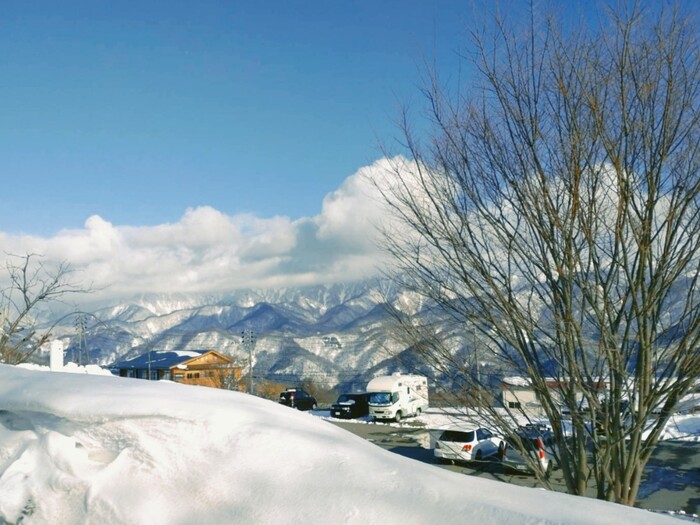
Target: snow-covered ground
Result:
[681, 427]
[94, 449]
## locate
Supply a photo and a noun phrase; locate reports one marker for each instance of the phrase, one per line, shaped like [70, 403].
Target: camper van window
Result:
[395, 397]
[380, 398]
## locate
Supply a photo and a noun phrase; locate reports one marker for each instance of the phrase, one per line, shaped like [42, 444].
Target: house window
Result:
[166, 375]
[513, 404]
[178, 376]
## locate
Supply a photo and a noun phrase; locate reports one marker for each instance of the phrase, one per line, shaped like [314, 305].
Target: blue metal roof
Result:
[159, 360]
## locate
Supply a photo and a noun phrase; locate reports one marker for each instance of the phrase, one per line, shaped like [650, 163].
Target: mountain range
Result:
[335, 335]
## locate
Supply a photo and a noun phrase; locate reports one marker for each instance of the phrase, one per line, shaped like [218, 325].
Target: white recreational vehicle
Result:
[397, 396]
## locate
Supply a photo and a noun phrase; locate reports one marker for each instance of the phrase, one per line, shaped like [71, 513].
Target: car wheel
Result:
[501, 450]
[548, 472]
[314, 406]
[397, 417]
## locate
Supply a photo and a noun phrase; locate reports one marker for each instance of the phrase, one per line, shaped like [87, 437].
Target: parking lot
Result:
[671, 482]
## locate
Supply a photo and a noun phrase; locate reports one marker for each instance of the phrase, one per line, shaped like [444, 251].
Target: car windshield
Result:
[346, 399]
[380, 398]
[457, 436]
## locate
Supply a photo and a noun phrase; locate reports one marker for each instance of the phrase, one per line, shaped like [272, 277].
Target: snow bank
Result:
[71, 368]
[94, 449]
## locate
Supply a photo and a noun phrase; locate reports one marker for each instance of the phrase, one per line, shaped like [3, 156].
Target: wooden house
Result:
[193, 367]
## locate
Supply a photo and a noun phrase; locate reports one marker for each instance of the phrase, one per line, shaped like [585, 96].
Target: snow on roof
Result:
[189, 353]
[160, 360]
[516, 381]
[96, 449]
[551, 382]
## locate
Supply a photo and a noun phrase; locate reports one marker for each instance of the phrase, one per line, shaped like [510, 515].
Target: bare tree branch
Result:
[32, 285]
[555, 211]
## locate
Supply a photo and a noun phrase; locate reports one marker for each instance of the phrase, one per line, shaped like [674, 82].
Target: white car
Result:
[466, 445]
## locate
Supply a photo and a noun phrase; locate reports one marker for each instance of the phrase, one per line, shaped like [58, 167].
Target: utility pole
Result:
[248, 340]
[81, 328]
[478, 374]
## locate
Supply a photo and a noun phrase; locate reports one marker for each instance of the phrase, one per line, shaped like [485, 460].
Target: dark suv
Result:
[350, 406]
[298, 398]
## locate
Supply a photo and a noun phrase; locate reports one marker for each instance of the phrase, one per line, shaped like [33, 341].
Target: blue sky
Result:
[136, 111]
[203, 146]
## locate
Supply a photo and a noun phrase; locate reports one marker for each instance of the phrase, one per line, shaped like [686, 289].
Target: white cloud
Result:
[354, 211]
[208, 251]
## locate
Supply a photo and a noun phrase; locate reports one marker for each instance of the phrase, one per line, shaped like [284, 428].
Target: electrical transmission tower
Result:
[248, 341]
[81, 329]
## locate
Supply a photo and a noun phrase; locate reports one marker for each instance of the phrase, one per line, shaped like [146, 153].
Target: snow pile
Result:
[71, 368]
[93, 449]
[682, 427]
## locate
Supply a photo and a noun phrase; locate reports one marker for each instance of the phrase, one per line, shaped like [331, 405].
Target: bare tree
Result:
[229, 377]
[31, 286]
[269, 389]
[553, 211]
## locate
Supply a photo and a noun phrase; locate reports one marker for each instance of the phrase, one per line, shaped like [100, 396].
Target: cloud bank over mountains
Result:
[208, 251]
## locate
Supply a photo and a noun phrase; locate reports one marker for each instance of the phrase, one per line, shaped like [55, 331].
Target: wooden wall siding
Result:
[207, 377]
[209, 369]
[207, 359]
[206, 370]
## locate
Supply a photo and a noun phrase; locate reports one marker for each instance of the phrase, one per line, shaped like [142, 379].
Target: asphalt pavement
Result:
[671, 478]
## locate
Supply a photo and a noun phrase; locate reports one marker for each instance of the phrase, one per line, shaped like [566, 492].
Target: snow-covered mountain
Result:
[335, 335]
